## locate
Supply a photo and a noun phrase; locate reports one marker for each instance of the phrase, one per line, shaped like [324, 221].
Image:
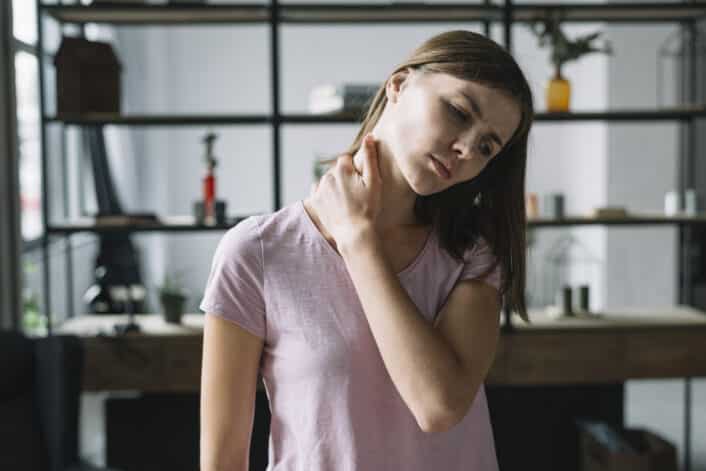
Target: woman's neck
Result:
[398, 199]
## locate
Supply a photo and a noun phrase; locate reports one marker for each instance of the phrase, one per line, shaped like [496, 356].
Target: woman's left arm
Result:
[437, 371]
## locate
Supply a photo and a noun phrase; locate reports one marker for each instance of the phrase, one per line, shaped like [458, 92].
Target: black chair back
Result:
[40, 392]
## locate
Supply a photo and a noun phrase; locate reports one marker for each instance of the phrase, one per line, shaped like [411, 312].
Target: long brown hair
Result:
[492, 204]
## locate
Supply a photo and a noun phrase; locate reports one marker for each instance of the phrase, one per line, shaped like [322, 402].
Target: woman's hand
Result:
[346, 201]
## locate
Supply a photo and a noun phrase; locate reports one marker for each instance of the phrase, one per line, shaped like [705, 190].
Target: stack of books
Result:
[125, 219]
[342, 98]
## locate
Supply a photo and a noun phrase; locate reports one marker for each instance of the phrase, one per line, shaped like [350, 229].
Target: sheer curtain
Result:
[117, 254]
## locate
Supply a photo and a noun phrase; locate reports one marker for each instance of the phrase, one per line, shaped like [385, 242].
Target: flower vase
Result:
[558, 93]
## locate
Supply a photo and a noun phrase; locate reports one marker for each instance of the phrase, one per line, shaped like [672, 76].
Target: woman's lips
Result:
[440, 169]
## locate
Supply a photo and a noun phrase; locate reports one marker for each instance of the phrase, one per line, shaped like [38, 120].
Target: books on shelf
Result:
[617, 212]
[125, 219]
[341, 98]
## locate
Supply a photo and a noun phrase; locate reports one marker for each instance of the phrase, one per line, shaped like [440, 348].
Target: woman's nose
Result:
[466, 144]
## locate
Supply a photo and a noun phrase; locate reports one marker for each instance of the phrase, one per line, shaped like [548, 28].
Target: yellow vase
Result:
[558, 93]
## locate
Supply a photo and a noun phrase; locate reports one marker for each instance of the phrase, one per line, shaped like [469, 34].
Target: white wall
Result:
[642, 262]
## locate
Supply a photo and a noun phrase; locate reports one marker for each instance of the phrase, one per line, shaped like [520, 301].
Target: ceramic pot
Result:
[172, 307]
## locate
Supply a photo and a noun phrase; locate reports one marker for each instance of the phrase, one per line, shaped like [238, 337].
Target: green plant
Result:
[172, 286]
[548, 32]
[33, 321]
[173, 297]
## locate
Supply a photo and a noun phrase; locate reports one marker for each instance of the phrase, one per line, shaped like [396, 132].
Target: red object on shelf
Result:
[209, 195]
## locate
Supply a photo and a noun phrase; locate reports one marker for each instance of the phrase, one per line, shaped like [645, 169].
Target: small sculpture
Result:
[209, 181]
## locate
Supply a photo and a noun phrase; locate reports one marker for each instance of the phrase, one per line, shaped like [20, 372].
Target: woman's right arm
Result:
[229, 374]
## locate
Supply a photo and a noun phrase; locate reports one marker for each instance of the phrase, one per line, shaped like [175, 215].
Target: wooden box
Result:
[652, 453]
[87, 77]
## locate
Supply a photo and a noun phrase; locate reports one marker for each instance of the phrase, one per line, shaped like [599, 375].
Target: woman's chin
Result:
[426, 186]
[422, 182]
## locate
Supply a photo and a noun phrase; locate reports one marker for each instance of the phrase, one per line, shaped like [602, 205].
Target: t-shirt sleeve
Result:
[477, 260]
[235, 286]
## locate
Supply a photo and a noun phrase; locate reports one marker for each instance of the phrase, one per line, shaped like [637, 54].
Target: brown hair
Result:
[492, 204]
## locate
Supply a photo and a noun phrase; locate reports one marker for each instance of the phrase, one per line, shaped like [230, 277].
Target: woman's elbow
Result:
[440, 420]
[223, 463]
[224, 457]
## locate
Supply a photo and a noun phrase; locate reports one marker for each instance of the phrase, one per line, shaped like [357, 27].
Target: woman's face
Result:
[436, 117]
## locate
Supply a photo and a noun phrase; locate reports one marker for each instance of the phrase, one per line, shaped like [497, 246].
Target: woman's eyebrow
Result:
[474, 105]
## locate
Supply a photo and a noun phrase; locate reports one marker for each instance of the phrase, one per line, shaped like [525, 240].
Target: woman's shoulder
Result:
[243, 239]
[282, 224]
[253, 228]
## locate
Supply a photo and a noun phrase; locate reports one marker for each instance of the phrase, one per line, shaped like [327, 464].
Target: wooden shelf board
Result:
[389, 13]
[632, 220]
[167, 357]
[666, 114]
[371, 13]
[624, 318]
[615, 12]
[186, 223]
[160, 14]
[157, 119]
[167, 223]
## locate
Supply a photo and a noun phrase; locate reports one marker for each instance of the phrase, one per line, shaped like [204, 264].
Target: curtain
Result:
[117, 255]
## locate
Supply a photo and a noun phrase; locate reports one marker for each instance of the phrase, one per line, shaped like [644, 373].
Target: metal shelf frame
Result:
[274, 14]
[682, 113]
[186, 224]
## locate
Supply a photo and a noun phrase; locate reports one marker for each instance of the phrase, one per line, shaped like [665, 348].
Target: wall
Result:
[642, 268]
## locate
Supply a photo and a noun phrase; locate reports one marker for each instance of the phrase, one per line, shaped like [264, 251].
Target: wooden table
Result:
[617, 346]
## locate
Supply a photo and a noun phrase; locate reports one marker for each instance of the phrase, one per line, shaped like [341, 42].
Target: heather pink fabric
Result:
[334, 406]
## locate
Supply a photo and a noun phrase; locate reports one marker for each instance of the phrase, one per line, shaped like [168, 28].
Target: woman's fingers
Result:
[371, 169]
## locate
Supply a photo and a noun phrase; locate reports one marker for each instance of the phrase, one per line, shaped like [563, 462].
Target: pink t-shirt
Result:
[334, 406]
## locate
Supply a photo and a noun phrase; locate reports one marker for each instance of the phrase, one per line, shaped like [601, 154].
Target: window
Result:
[28, 119]
[24, 21]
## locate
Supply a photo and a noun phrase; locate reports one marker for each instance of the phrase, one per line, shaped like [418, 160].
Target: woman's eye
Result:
[459, 114]
[486, 150]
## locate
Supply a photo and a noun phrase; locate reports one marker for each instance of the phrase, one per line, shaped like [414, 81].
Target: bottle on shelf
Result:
[209, 182]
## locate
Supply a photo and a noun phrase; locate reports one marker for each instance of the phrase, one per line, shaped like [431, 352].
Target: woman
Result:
[371, 308]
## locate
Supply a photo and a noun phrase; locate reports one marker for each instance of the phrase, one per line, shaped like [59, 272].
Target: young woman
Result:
[371, 308]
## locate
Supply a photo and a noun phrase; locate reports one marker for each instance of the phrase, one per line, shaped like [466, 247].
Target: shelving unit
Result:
[274, 14]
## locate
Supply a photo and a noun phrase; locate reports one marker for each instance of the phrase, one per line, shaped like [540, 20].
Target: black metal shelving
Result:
[186, 223]
[633, 115]
[274, 14]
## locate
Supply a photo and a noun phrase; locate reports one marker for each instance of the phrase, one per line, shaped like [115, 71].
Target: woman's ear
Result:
[396, 84]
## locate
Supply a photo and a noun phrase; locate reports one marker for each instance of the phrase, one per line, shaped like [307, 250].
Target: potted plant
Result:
[34, 322]
[173, 297]
[564, 50]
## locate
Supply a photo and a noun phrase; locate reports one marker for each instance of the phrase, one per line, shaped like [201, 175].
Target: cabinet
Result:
[275, 14]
